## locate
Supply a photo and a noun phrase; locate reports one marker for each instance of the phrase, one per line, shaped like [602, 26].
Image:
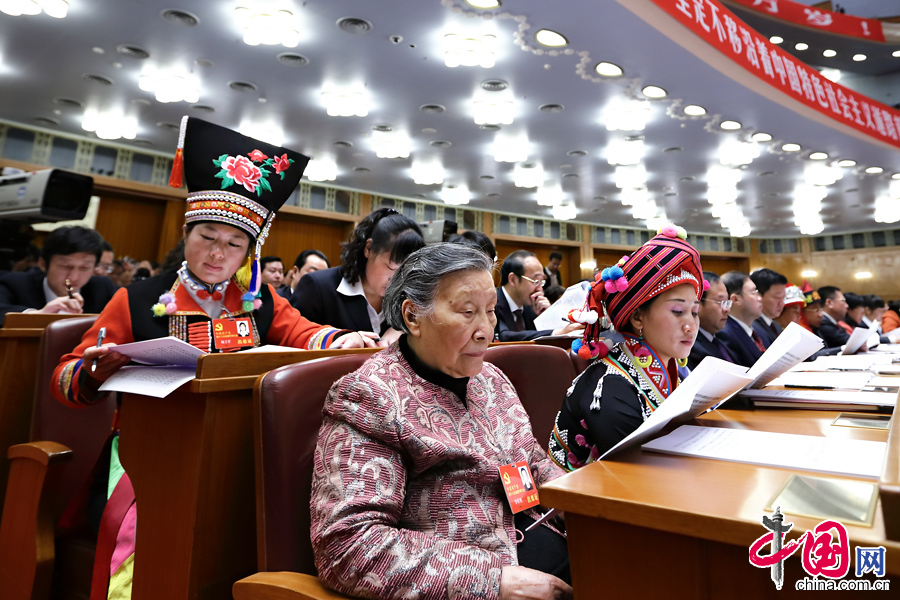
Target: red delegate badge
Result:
[232, 334]
[521, 491]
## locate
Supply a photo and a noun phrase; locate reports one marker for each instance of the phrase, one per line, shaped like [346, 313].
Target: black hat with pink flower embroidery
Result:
[235, 180]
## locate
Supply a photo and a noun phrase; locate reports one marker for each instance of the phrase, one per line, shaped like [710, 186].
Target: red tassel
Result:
[176, 179]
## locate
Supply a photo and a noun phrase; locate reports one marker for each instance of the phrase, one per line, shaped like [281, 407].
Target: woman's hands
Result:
[108, 361]
[522, 583]
[390, 336]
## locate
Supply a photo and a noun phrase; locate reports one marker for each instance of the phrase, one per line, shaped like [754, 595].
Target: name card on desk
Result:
[856, 458]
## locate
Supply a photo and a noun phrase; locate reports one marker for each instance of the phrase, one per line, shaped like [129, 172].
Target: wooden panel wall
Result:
[133, 226]
[292, 234]
[570, 269]
[838, 268]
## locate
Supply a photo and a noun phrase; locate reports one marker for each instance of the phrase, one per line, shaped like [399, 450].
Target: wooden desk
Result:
[647, 525]
[190, 460]
[20, 340]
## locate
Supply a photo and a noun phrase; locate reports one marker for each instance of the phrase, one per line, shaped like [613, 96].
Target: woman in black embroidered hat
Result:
[215, 302]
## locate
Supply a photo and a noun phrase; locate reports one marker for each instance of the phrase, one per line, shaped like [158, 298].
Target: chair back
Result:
[579, 363]
[83, 430]
[541, 376]
[288, 412]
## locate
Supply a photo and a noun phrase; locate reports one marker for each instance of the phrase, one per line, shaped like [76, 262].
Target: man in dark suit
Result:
[308, 261]
[834, 309]
[69, 255]
[771, 287]
[742, 341]
[325, 297]
[520, 299]
[714, 308]
[551, 271]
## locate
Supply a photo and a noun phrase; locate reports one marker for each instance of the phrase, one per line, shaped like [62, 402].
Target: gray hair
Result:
[421, 273]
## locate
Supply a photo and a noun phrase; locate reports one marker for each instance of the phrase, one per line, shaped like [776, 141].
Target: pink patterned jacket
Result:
[406, 498]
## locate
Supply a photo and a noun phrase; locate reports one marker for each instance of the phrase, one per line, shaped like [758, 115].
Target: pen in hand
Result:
[100, 337]
[69, 289]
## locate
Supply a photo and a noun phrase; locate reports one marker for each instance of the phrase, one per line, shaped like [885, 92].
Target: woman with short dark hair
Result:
[407, 498]
[352, 295]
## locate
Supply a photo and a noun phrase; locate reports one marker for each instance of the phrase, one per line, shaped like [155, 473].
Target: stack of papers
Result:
[858, 362]
[170, 362]
[827, 380]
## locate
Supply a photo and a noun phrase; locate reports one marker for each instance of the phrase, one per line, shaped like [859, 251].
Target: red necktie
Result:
[757, 341]
[520, 321]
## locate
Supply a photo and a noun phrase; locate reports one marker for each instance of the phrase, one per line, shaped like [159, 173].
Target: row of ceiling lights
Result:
[827, 53]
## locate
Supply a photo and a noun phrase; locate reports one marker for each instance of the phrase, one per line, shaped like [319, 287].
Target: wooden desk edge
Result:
[889, 484]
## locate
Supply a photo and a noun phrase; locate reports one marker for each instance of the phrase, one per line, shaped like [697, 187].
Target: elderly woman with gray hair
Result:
[407, 498]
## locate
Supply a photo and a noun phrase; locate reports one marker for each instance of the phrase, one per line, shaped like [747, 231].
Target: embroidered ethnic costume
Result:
[259, 178]
[626, 382]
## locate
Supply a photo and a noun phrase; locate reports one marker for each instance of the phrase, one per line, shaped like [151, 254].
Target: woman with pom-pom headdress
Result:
[640, 319]
[235, 185]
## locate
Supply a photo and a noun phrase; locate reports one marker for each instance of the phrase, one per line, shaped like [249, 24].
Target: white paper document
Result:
[823, 399]
[158, 381]
[891, 348]
[161, 351]
[572, 299]
[833, 380]
[857, 362]
[856, 458]
[792, 347]
[859, 337]
[713, 382]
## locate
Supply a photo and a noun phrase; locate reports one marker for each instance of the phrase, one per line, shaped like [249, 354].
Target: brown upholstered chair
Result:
[288, 412]
[579, 363]
[541, 376]
[45, 477]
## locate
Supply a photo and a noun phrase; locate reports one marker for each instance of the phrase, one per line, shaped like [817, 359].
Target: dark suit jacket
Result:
[740, 345]
[505, 331]
[285, 292]
[21, 291]
[766, 333]
[317, 299]
[833, 334]
[703, 348]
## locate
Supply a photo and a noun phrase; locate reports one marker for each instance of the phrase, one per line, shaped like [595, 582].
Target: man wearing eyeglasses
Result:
[714, 309]
[742, 341]
[520, 298]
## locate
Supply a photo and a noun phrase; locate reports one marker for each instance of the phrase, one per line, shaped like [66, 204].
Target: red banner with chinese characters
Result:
[825, 20]
[745, 46]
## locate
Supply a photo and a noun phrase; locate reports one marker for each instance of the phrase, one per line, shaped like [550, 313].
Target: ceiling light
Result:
[818, 156]
[455, 195]
[549, 195]
[829, 53]
[833, 75]
[735, 152]
[264, 133]
[547, 37]
[510, 148]
[528, 175]
[484, 3]
[321, 169]
[846, 163]
[895, 176]
[634, 176]
[626, 115]
[658, 222]
[633, 196]
[654, 91]
[390, 144]
[472, 51]
[859, 57]
[801, 46]
[887, 209]
[742, 229]
[57, 9]
[170, 87]
[896, 53]
[564, 212]
[345, 104]
[499, 112]
[761, 136]
[776, 39]
[874, 170]
[694, 111]
[822, 174]
[791, 147]
[262, 25]
[721, 195]
[719, 176]
[812, 226]
[110, 125]
[863, 275]
[427, 172]
[588, 265]
[608, 69]
[625, 152]
[809, 273]
[730, 125]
